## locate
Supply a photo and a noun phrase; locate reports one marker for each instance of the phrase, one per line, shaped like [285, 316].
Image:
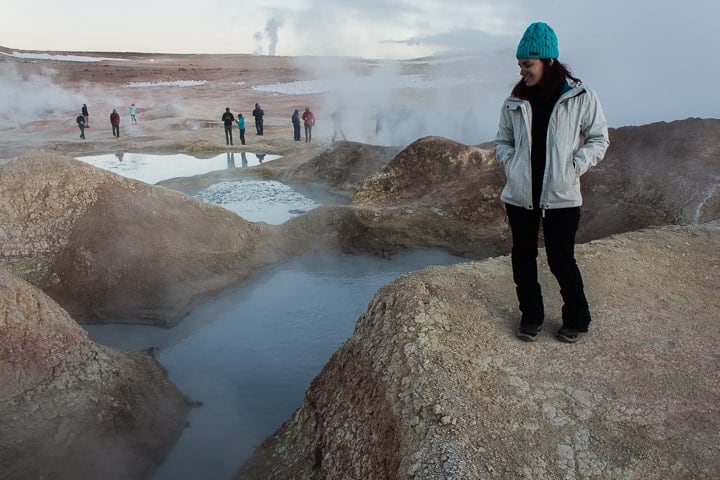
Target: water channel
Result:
[249, 355]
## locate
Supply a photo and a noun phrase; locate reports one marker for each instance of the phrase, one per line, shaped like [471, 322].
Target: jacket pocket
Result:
[517, 179]
[567, 177]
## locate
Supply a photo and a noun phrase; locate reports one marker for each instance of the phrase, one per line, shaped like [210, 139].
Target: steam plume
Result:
[271, 28]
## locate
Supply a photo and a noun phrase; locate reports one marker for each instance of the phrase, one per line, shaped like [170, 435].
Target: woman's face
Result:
[531, 70]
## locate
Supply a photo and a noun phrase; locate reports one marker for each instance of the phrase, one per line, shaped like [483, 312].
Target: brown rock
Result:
[111, 249]
[434, 385]
[71, 409]
[656, 174]
[343, 166]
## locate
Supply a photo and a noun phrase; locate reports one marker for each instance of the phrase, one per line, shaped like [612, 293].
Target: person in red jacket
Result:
[309, 121]
[115, 122]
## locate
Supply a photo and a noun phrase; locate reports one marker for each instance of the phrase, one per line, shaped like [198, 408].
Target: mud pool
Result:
[249, 355]
[255, 200]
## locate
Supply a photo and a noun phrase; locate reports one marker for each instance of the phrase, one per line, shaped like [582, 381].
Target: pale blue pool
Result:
[250, 355]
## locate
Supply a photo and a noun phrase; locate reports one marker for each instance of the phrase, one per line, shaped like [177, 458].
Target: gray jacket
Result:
[577, 140]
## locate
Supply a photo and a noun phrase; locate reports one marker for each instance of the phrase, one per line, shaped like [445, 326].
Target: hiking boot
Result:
[528, 333]
[568, 335]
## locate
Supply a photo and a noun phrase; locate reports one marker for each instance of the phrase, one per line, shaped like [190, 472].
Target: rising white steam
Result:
[258, 37]
[395, 103]
[271, 34]
[27, 98]
[271, 29]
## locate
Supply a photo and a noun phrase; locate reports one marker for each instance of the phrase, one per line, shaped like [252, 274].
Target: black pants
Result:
[242, 136]
[296, 131]
[116, 130]
[228, 135]
[82, 131]
[559, 228]
[259, 126]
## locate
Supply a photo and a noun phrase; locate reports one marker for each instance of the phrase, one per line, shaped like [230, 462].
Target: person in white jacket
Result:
[552, 129]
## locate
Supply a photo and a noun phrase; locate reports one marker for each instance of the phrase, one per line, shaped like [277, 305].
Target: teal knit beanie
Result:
[538, 41]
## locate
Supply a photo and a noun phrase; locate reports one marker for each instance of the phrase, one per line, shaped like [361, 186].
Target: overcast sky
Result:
[656, 59]
[367, 28]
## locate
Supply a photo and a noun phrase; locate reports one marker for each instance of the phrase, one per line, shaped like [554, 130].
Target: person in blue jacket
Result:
[552, 129]
[241, 126]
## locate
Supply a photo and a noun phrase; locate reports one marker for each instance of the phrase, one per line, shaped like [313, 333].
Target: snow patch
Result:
[311, 87]
[176, 83]
[60, 57]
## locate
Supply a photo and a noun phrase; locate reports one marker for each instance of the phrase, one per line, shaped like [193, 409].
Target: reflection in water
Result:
[151, 168]
[255, 200]
[250, 355]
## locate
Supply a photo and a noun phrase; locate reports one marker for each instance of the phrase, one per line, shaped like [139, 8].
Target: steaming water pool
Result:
[250, 355]
[255, 200]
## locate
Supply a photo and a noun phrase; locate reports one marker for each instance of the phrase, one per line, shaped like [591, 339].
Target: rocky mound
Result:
[438, 193]
[656, 174]
[110, 249]
[71, 409]
[659, 174]
[434, 385]
[344, 166]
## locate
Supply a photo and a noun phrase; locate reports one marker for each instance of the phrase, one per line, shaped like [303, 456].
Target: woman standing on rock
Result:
[552, 129]
[241, 126]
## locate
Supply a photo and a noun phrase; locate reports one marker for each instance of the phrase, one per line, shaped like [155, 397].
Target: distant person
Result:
[337, 124]
[241, 126]
[296, 125]
[551, 131]
[86, 115]
[309, 122]
[115, 122]
[81, 125]
[258, 113]
[133, 111]
[228, 119]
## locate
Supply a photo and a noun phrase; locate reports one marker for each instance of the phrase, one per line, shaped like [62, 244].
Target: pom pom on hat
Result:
[538, 41]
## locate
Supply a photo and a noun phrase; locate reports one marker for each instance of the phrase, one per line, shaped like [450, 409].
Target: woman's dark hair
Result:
[552, 82]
